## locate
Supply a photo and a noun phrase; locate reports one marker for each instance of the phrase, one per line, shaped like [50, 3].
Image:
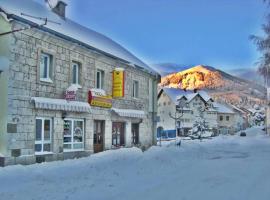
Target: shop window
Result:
[43, 135]
[100, 79]
[73, 134]
[135, 89]
[46, 67]
[76, 72]
[220, 118]
[227, 118]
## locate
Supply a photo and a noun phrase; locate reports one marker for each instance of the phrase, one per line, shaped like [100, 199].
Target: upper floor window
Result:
[76, 71]
[43, 135]
[220, 118]
[135, 89]
[99, 79]
[227, 118]
[45, 71]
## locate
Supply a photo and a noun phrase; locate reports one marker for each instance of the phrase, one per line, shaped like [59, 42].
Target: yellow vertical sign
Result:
[118, 83]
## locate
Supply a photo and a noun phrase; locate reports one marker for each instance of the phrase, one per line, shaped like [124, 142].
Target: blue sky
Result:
[211, 32]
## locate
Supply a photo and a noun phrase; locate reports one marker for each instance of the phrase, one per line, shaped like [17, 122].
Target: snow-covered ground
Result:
[223, 168]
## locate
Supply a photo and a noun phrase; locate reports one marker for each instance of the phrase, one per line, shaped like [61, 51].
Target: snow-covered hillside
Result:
[224, 168]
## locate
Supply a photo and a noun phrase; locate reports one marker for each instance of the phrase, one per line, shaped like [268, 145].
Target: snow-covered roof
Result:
[176, 94]
[70, 29]
[221, 108]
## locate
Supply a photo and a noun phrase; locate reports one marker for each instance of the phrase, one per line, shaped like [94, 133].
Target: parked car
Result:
[243, 134]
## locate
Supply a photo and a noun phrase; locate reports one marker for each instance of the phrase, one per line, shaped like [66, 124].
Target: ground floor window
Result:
[43, 135]
[73, 134]
[118, 134]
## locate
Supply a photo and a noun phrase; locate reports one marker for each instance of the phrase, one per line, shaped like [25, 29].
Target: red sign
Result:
[70, 95]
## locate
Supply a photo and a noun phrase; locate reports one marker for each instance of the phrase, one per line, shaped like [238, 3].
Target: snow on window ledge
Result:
[48, 80]
[43, 153]
[72, 150]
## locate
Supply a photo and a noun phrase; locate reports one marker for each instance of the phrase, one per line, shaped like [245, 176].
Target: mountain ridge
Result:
[221, 85]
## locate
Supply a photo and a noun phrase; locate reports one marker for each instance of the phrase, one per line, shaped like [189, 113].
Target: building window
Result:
[164, 103]
[76, 72]
[45, 71]
[227, 118]
[99, 79]
[73, 134]
[43, 135]
[135, 89]
[220, 118]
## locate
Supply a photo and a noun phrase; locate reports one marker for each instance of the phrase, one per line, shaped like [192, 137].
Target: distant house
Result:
[179, 120]
[226, 119]
[242, 118]
[173, 122]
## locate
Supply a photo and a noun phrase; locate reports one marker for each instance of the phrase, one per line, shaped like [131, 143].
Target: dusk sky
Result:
[210, 32]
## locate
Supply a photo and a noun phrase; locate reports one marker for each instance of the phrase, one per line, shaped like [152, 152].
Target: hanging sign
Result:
[70, 94]
[118, 83]
[97, 97]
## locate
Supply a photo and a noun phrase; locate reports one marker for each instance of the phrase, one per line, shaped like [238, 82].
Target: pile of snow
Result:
[226, 167]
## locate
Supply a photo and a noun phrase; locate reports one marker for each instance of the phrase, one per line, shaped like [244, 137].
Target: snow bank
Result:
[224, 168]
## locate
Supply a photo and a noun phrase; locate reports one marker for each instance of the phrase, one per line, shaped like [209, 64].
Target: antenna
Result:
[31, 26]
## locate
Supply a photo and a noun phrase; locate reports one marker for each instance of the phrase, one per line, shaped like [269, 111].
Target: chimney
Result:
[60, 9]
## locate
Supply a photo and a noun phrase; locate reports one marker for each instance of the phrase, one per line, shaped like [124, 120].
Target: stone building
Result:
[66, 90]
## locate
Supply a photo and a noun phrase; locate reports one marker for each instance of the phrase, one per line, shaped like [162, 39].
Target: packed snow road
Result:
[224, 168]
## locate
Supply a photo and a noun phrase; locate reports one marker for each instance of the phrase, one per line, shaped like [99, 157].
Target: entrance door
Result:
[98, 135]
[118, 134]
[135, 134]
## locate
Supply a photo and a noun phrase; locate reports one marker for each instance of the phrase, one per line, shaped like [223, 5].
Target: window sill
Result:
[47, 80]
[73, 150]
[43, 153]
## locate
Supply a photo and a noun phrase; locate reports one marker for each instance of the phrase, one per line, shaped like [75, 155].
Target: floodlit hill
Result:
[221, 85]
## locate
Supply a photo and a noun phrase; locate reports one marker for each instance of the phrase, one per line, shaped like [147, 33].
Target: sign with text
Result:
[97, 97]
[118, 83]
[70, 94]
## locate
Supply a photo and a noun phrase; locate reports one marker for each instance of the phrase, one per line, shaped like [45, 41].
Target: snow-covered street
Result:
[226, 167]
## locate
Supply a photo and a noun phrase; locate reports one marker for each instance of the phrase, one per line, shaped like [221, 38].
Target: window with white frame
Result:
[100, 79]
[73, 134]
[43, 135]
[45, 71]
[76, 71]
[135, 89]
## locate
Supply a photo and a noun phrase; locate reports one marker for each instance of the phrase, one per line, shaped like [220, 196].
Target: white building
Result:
[168, 100]
[219, 118]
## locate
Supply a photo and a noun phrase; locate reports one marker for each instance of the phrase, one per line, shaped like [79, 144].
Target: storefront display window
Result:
[73, 134]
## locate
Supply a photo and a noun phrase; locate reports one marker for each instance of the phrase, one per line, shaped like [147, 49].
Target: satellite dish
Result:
[52, 3]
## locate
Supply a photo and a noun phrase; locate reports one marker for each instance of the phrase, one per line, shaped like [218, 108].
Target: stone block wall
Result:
[24, 83]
